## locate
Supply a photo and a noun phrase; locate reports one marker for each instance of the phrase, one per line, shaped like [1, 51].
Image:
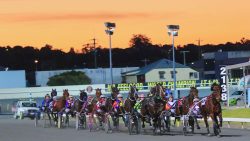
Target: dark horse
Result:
[80, 103]
[78, 109]
[130, 100]
[153, 107]
[129, 104]
[116, 113]
[212, 108]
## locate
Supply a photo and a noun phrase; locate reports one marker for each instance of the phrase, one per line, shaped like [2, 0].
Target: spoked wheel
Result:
[116, 122]
[185, 125]
[108, 124]
[36, 119]
[167, 119]
[91, 122]
[46, 117]
[80, 121]
[59, 121]
[130, 124]
[138, 125]
[77, 121]
[83, 122]
[66, 120]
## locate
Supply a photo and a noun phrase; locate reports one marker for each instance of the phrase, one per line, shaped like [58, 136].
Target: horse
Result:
[116, 113]
[80, 102]
[53, 93]
[59, 104]
[183, 106]
[130, 100]
[129, 104]
[212, 108]
[78, 109]
[153, 107]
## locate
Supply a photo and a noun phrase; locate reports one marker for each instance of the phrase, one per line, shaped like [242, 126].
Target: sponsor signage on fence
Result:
[168, 84]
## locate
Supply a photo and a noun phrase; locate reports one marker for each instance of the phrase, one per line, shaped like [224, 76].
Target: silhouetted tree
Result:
[69, 78]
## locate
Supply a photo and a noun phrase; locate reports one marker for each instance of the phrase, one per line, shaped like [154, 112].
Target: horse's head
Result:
[53, 93]
[98, 93]
[83, 95]
[115, 92]
[159, 91]
[216, 91]
[132, 92]
[193, 92]
[65, 93]
[152, 91]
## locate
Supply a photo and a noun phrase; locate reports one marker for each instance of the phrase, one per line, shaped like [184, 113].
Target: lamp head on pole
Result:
[110, 28]
[173, 30]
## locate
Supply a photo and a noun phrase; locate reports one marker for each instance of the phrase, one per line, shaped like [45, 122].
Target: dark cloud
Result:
[28, 17]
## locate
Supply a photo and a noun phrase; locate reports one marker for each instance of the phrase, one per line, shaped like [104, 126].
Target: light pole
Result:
[173, 31]
[184, 56]
[36, 61]
[110, 31]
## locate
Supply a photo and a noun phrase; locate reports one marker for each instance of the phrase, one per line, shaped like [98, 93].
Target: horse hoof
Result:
[198, 127]
[209, 135]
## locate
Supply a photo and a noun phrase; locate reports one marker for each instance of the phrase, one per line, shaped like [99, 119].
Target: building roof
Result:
[163, 63]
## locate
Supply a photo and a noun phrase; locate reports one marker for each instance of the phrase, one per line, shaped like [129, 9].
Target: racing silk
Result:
[117, 104]
[203, 101]
[170, 105]
[69, 104]
[195, 109]
[100, 103]
[138, 105]
[45, 103]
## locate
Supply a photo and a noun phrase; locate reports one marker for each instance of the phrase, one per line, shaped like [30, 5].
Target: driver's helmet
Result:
[102, 96]
[196, 100]
[119, 96]
[47, 95]
[142, 96]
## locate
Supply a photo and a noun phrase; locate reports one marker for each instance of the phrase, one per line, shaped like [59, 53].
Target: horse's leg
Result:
[220, 118]
[197, 123]
[143, 121]
[216, 125]
[207, 125]
[191, 123]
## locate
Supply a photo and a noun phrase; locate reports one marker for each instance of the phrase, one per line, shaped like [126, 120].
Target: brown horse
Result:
[183, 106]
[59, 104]
[212, 108]
[153, 107]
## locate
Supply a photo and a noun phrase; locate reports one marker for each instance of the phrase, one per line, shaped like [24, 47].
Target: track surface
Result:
[24, 130]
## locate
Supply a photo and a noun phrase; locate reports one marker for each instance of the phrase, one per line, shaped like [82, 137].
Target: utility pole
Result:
[94, 39]
[145, 61]
[184, 56]
[199, 45]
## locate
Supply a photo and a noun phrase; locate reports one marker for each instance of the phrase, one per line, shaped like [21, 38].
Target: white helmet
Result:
[119, 95]
[196, 100]
[103, 96]
[142, 96]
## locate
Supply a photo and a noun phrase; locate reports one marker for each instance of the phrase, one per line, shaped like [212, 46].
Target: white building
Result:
[161, 70]
[12, 79]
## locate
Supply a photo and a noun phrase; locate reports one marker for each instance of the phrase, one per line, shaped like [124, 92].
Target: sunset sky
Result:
[72, 23]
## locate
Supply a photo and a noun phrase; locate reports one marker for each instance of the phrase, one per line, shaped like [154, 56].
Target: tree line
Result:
[140, 49]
